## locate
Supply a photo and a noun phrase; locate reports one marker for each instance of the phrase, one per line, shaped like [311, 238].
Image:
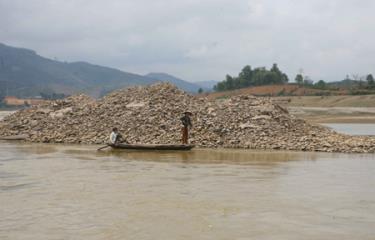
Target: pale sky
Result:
[199, 39]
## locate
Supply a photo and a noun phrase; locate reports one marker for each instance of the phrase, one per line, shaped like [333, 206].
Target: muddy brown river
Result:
[73, 192]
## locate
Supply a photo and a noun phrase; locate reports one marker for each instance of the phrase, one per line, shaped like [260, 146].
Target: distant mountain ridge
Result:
[207, 85]
[23, 73]
[187, 86]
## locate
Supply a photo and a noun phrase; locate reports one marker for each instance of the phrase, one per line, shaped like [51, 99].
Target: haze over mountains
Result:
[24, 73]
[187, 86]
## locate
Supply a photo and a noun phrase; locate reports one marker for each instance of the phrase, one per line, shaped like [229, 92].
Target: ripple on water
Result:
[5, 175]
[15, 187]
[74, 192]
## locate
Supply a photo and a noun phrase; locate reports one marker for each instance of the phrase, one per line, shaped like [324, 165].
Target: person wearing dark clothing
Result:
[186, 122]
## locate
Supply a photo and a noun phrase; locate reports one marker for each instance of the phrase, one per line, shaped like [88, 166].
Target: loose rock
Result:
[151, 115]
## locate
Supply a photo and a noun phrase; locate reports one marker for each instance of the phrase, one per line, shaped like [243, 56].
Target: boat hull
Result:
[173, 147]
[14, 137]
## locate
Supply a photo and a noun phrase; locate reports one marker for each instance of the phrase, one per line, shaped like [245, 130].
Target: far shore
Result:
[335, 114]
[340, 119]
[9, 109]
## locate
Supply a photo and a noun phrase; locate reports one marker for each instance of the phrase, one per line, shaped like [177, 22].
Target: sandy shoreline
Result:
[335, 114]
[5, 113]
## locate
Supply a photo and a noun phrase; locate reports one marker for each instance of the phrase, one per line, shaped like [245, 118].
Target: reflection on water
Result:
[199, 156]
[360, 129]
[75, 192]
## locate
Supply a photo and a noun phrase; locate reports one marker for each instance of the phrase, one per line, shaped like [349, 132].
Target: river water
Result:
[5, 113]
[360, 129]
[74, 192]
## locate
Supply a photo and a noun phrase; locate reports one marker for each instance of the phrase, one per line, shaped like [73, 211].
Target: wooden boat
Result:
[174, 147]
[14, 137]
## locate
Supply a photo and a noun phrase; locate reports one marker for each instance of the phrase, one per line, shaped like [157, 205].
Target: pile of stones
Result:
[151, 115]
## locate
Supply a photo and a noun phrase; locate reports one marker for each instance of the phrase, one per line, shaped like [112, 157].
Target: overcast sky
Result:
[199, 39]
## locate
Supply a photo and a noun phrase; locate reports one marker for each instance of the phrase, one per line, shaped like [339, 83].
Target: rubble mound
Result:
[152, 115]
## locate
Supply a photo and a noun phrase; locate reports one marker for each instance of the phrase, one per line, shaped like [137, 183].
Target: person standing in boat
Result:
[115, 136]
[186, 122]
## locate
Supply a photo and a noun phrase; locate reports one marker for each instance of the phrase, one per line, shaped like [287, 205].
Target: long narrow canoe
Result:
[180, 147]
[14, 137]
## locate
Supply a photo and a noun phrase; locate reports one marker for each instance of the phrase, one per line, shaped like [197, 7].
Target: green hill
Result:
[23, 73]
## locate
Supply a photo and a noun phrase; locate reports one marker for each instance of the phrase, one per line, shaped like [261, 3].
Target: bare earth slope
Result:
[331, 109]
[330, 101]
[273, 90]
[151, 115]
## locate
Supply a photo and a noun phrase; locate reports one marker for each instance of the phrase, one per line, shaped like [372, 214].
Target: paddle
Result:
[103, 147]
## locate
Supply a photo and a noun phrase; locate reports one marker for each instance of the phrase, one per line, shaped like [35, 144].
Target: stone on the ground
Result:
[151, 115]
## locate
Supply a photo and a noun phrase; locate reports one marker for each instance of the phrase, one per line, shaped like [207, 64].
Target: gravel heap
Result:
[151, 115]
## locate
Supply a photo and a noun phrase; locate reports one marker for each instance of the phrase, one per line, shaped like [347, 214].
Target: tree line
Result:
[365, 82]
[249, 77]
[253, 77]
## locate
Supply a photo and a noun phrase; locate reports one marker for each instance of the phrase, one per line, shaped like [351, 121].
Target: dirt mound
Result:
[151, 115]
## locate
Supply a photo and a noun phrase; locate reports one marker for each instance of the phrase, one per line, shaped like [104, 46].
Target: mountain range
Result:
[24, 73]
[187, 86]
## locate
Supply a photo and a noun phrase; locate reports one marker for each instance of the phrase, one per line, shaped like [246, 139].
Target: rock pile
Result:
[151, 115]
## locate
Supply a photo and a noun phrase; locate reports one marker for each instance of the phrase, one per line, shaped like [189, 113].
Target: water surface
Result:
[5, 113]
[74, 192]
[362, 129]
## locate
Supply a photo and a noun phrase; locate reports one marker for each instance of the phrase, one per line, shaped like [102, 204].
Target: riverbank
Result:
[331, 109]
[334, 114]
[150, 115]
[324, 109]
[5, 113]
[342, 101]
